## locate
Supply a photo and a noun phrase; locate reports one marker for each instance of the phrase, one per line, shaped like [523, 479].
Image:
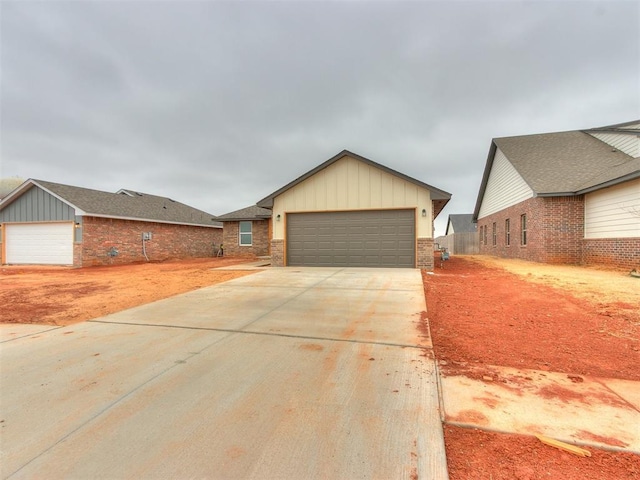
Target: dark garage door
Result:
[372, 238]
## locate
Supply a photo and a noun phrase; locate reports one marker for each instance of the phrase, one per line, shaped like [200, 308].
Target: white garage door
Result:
[39, 244]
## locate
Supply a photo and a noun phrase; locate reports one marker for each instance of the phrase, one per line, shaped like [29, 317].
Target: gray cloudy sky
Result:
[218, 104]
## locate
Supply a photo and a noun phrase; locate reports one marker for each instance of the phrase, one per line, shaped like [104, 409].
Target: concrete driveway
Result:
[287, 373]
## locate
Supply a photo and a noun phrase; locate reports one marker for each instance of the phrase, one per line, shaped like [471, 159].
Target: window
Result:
[246, 237]
[484, 235]
[507, 232]
[523, 229]
[494, 234]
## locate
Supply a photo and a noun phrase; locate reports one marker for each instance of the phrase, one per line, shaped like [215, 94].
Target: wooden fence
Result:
[466, 243]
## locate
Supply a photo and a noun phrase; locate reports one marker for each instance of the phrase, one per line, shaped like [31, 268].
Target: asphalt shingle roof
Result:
[462, 222]
[128, 204]
[565, 162]
[250, 213]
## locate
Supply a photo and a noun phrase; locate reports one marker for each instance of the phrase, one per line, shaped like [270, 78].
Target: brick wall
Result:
[260, 242]
[277, 252]
[99, 235]
[77, 254]
[622, 253]
[425, 253]
[555, 229]
[563, 229]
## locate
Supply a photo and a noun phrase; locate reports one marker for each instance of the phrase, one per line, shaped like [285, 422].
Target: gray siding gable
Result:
[95, 203]
[37, 205]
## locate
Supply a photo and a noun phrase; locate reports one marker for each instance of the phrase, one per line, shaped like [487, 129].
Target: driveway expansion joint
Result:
[272, 334]
[32, 334]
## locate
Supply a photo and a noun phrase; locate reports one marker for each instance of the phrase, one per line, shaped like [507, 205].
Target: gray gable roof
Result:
[438, 197]
[462, 222]
[560, 163]
[565, 163]
[250, 213]
[126, 204]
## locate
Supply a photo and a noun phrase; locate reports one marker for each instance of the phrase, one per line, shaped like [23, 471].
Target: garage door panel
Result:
[39, 244]
[358, 238]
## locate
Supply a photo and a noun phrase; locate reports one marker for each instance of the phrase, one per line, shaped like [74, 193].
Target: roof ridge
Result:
[142, 207]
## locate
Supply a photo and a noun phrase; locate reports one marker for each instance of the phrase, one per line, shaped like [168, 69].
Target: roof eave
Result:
[267, 202]
[243, 219]
[610, 183]
[592, 188]
[438, 202]
[16, 192]
[617, 128]
[149, 220]
[485, 178]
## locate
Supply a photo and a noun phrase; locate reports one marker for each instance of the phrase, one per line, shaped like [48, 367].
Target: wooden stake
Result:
[567, 447]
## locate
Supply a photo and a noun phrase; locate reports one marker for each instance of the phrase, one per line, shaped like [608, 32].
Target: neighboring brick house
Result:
[246, 232]
[54, 224]
[565, 198]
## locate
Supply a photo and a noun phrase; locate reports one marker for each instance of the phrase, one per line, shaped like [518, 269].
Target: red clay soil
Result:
[482, 315]
[478, 455]
[63, 296]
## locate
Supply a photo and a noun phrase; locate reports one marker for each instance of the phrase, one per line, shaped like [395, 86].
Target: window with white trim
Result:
[245, 234]
[507, 232]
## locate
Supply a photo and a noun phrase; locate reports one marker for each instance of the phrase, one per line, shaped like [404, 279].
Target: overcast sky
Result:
[218, 104]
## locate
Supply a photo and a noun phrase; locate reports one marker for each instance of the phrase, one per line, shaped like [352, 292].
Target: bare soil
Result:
[486, 311]
[63, 296]
[482, 311]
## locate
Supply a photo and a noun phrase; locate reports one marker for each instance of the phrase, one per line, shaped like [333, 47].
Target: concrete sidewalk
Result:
[287, 373]
[587, 411]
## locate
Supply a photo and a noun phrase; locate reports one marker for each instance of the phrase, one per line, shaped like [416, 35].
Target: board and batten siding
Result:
[627, 143]
[505, 187]
[613, 212]
[350, 184]
[36, 205]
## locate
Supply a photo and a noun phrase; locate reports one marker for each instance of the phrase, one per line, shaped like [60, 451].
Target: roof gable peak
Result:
[436, 194]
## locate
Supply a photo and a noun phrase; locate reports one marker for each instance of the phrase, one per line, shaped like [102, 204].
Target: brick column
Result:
[277, 252]
[425, 253]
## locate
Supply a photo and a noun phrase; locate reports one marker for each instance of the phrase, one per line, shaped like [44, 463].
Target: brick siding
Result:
[260, 241]
[622, 253]
[555, 227]
[555, 234]
[277, 252]
[425, 253]
[99, 235]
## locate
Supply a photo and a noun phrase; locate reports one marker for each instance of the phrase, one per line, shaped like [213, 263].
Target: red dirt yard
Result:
[63, 296]
[486, 311]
